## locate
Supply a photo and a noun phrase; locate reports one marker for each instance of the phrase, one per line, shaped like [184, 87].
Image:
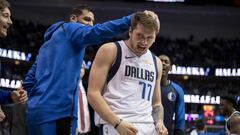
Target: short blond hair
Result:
[146, 20]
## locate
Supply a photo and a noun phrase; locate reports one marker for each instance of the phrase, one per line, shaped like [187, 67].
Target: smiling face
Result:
[166, 64]
[87, 17]
[141, 39]
[5, 21]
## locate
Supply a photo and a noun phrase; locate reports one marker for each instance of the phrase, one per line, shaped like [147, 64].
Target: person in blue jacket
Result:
[172, 100]
[19, 95]
[52, 82]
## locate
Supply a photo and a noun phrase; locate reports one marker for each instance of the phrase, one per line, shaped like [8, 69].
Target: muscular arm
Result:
[234, 124]
[157, 103]
[98, 74]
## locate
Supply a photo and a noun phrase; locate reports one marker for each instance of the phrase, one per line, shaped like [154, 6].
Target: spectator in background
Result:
[228, 109]
[19, 95]
[200, 127]
[172, 100]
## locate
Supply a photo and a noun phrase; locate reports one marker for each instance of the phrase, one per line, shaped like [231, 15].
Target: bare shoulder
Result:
[159, 64]
[108, 47]
[106, 53]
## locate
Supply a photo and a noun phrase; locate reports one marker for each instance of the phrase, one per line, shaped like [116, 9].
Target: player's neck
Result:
[165, 81]
[128, 44]
[230, 112]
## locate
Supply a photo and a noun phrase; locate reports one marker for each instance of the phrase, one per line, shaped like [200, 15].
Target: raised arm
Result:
[82, 35]
[158, 110]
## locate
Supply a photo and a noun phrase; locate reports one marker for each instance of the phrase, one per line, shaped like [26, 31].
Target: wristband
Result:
[118, 123]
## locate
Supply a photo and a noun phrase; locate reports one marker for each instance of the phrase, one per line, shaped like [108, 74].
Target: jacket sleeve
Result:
[30, 80]
[83, 35]
[5, 97]
[179, 110]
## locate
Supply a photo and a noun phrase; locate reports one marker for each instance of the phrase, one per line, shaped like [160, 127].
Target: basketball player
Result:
[227, 108]
[16, 96]
[53, 79]
[172, 100]
[124, 82]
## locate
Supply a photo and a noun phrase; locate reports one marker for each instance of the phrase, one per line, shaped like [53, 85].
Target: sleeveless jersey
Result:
[226, 125]
[130, 85]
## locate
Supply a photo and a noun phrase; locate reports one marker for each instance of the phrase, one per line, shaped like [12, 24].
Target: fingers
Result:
[133, 130]
[23, 96]
[15, 94]
[127, 128]
[161, 129]
[19, 96]
[2, 116]
[23, 99]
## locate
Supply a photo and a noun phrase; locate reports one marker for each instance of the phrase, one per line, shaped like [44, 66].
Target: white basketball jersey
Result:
[130, 89]
[226, 125]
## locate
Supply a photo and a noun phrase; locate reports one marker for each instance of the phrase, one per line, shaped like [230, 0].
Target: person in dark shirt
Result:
[172, 100]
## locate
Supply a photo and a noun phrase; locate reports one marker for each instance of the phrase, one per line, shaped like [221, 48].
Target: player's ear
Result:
[73, 18]
[130, 31]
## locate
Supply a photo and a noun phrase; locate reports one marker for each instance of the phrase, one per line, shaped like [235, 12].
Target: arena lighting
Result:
[200, 71]
[191, 117]
[167, 0]
[201, 99]
[227, 72]
[180, 70]
[7, 83]
[209, 114]
[12, 54]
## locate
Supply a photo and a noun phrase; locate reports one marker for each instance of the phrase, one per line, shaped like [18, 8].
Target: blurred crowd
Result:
[214, 52]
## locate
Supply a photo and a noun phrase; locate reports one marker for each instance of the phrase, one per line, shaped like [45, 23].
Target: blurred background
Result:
[202, 38]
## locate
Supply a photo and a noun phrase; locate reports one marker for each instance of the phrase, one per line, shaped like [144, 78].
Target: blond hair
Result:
[146, 20]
